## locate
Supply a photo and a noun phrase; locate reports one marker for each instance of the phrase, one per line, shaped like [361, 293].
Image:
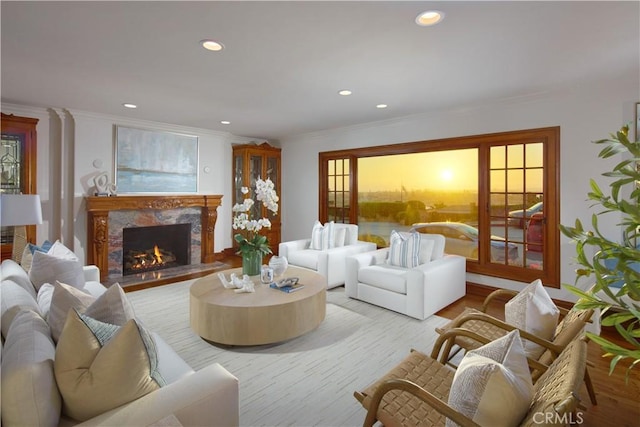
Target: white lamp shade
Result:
[20, 209]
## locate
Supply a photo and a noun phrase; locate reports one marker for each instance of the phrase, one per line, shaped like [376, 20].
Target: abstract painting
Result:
[149, 161]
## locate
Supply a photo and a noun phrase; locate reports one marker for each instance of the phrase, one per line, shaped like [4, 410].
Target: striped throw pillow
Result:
[404, 251]
[322, 236]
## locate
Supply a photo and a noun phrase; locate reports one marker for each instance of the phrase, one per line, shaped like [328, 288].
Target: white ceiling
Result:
[284, 62]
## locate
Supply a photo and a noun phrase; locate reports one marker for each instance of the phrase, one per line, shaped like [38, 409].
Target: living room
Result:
[591, 90]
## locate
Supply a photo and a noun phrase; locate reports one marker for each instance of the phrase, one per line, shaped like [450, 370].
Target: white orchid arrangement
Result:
[253, 241]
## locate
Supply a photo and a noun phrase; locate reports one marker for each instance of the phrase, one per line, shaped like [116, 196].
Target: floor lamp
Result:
[19, 210]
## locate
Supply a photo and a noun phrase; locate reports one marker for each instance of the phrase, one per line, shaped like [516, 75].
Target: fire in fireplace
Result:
[155, 248]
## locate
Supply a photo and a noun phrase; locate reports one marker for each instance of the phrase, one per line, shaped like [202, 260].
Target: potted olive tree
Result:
[613, 267]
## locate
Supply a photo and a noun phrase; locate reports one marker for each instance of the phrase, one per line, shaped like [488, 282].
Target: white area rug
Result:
[307, 381]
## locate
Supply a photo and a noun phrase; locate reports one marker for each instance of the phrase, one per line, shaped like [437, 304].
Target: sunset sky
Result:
[453, 170]
[443, 170]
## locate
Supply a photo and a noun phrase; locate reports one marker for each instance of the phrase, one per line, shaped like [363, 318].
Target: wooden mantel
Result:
[98, 221]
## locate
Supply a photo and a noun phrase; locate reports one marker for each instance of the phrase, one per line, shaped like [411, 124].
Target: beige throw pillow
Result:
[111, 307]
[492, 384]
[532, 310]
[99, 366]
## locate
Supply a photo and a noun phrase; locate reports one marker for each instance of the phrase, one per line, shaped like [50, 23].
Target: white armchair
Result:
[417, 292]
[329, 262]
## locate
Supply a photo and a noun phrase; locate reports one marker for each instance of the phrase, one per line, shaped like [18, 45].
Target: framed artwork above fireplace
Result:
[148, 161]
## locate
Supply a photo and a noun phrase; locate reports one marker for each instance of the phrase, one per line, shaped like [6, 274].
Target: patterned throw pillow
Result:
[59, 263]
[99, 366]
[27, 254]
[322, 236]
[532, 310]
[111, 307]
[404, 250]
[492, 384]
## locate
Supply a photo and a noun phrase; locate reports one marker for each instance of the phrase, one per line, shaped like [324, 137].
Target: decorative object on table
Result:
[234, 281]
[248, 287]
[288, 281]
[241, 285]
[252, 245]
[266, 274]
[279, 265]
[613, 264]
[288, 285]
[170, 161]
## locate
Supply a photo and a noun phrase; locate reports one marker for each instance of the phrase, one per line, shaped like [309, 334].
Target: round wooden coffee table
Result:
[265, 316]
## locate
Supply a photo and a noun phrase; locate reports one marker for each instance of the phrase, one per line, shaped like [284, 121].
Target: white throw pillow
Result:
[49, 267]
[27, 254]
[30, 396]
[45, 294]
[13, 299]
[99, 366]
[341, 235]
[9, 269]
[322, 236]
[492, 384]
[404, 249]
[58, 249]
[532, 310]
[111, 307]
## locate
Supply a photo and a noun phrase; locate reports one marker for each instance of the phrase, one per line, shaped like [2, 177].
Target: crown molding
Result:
[25, 110]
[147, 124]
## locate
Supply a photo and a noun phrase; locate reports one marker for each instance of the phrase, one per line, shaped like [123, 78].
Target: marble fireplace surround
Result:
[107, 216]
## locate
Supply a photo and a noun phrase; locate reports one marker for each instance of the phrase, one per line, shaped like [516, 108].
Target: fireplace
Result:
[155, 247]
[107, 217]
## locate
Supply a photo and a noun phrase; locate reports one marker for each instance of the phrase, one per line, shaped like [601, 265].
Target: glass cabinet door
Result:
[250, 163]
[10, 178]
[255, 172]
[271, 171]
[10, 159]
[17, 172]
[238, 183]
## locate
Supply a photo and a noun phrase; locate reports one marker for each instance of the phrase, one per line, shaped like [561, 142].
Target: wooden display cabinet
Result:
[251, 162]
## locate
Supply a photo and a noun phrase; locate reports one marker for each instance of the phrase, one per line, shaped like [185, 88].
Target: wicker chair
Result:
[415, 392]
[571, 326]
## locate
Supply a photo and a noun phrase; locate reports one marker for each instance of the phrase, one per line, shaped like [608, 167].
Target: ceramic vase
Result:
[279, 264]
[251, 263]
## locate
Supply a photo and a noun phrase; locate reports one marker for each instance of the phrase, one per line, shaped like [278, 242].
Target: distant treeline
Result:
[402, 212]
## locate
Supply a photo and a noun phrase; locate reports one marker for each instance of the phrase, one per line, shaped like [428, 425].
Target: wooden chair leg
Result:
[590, 390]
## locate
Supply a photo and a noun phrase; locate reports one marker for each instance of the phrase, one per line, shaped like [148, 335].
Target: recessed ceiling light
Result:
[211, 45]
[381, 106]
[345, 92]
[225, 122]
[430, 17]
[127, 105]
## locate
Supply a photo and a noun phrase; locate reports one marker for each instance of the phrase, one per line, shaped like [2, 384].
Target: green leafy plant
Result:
[615, 266]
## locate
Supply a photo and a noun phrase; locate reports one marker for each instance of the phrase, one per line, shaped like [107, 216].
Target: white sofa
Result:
[30, 396]
[329, 262]
[417, 292]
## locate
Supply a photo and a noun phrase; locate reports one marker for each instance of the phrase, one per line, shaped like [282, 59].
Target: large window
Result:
[493, 197]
